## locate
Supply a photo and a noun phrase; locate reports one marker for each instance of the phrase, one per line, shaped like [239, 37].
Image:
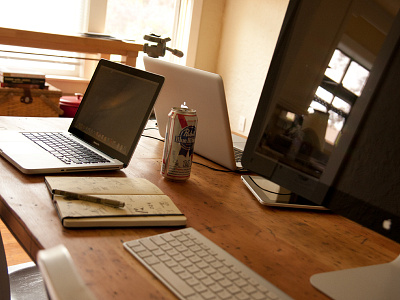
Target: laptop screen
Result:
[115, 108]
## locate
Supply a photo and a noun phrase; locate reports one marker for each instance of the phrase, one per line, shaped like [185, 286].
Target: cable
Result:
[214, 169]
[153, 137]
[224, 171]
[50, 55]
[268, 191]
[194, 162]
[152, 128]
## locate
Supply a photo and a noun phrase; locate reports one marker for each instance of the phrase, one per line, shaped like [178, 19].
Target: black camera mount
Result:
[160, 47]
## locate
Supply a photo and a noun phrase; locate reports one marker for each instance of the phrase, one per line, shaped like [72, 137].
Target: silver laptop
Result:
[108, 124]
[204, 92]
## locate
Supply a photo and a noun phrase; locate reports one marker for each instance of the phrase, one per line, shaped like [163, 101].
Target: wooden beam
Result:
[73, 43]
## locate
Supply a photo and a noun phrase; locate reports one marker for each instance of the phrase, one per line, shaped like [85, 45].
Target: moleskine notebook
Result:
[145, 203]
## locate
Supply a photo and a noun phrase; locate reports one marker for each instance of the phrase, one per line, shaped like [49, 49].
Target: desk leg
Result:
[131, 58]
[105, 56]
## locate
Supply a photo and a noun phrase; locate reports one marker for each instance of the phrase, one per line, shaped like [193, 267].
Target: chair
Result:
[22, 281]
[55, 277]
[60, 275]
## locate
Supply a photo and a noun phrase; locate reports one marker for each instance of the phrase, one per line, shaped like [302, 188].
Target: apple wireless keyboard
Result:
[193, 267]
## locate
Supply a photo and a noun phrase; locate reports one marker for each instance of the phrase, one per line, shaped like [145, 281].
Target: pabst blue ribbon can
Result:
[179, 144]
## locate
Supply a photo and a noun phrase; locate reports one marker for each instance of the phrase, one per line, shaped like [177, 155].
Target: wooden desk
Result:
[71, 43]
[283, 245]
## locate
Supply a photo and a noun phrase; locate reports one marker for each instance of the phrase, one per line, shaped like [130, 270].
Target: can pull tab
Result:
[184, 105]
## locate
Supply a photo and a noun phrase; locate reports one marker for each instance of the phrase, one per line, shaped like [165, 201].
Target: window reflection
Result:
[320, 80]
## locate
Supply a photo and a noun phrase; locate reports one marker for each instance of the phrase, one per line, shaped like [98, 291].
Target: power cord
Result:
[214, 169]
[153, 137]
[268, 191]
[224, 171]
[194, 162]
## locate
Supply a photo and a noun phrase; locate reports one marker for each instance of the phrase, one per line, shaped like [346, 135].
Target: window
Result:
[44, 16]
[177, 19]
[122, 19]
[50, 62]
[133, 19]
[343, 83]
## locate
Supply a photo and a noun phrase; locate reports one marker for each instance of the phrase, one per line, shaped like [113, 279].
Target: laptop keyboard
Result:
[64, 148]
[238, 154]
[193, 267]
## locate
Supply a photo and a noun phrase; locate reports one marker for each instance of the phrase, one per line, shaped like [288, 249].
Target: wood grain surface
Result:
[285, 246]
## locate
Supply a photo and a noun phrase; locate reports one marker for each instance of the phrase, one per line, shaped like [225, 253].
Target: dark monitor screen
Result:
[327, 123]
[115, 108]
[323, 86]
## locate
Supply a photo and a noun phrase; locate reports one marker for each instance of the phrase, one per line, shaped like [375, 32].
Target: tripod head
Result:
[160, 47]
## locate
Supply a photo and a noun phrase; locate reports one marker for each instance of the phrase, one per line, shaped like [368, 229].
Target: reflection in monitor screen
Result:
[328, 116]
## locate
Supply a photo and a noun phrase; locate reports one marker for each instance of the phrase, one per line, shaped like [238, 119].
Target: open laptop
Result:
[109, 121]
[204, 92]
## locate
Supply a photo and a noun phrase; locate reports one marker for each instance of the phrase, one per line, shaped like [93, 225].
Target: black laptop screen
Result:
[116, 107]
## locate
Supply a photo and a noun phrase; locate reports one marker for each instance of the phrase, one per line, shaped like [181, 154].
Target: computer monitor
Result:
[330, 137]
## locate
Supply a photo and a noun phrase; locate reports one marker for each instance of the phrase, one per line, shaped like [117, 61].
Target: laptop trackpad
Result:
[25, 153]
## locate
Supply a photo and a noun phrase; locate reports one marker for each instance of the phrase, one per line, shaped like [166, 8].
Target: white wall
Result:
[246, 33]
[209, 38]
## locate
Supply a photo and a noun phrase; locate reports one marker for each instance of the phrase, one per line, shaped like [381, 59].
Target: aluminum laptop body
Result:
[204, 92]
[109, 121]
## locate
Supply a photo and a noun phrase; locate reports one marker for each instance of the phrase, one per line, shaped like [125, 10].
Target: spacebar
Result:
[173, 280]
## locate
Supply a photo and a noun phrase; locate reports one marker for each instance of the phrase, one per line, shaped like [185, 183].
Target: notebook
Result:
[204, 92]
[109, 121]
[144, 203]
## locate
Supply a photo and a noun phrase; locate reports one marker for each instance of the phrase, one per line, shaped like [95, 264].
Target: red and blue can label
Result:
[179, 144]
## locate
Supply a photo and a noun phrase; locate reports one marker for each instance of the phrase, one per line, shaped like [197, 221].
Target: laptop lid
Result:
[115, 109]
[204, 92]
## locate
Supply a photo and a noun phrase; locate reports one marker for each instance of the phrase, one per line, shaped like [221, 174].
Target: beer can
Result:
[179, 143]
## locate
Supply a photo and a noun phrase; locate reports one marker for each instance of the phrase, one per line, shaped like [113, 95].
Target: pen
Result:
[76, 196]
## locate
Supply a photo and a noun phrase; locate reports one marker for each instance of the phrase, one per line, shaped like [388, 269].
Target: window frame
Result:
[338, 90]
[185, 33]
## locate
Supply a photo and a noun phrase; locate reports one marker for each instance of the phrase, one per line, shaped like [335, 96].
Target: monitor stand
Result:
[371, 282]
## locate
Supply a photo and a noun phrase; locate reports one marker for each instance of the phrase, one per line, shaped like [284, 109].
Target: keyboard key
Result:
[149, 245]
[238, 154]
